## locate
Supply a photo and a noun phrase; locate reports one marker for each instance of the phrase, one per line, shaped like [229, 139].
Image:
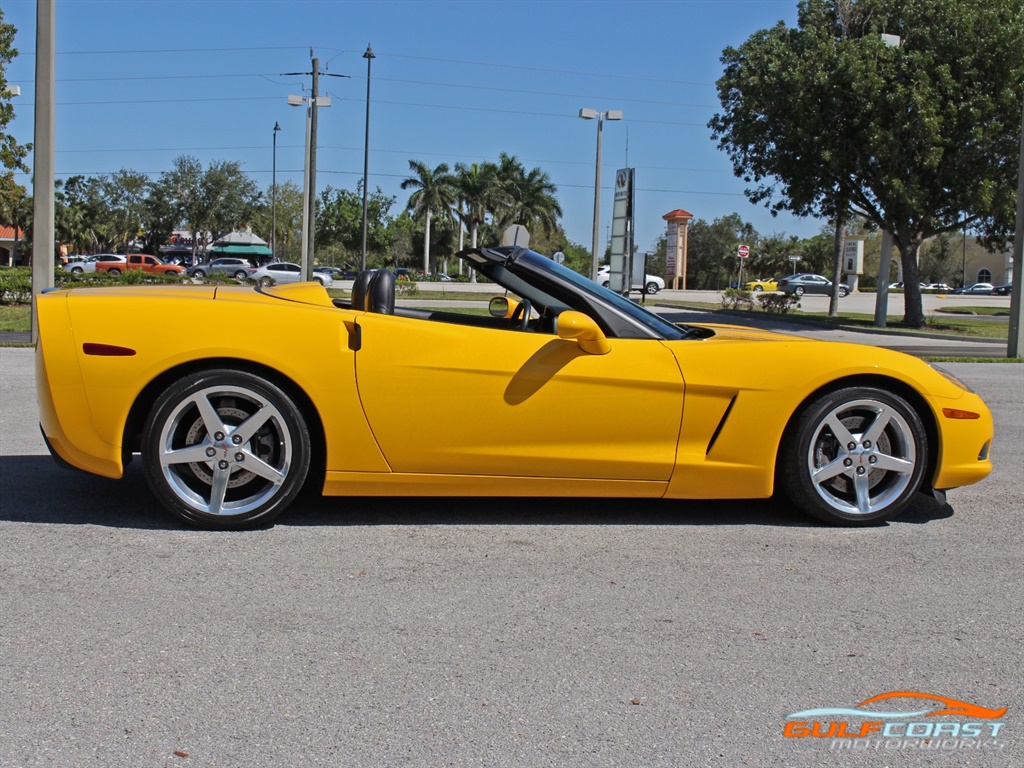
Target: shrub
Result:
[15, 285]
[778, 303]
[733, 298]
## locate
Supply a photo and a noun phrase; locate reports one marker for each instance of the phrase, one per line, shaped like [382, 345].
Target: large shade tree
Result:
[919, 138]
[12, 154]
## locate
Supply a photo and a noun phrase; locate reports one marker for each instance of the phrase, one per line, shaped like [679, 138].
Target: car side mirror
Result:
[500, 306]
[575, 326]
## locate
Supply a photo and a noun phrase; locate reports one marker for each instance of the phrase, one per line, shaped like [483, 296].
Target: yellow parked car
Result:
[764, 284]
[567, 389]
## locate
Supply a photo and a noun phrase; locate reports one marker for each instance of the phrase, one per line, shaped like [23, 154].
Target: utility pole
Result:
[309, 208]
[307, 257]
[369, 56]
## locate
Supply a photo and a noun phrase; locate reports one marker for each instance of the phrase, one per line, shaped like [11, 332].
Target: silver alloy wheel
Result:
[861, 457]
[225, 450]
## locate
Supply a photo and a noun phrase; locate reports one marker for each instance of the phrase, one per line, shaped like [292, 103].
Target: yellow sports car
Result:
[567, 389]
[763, 284]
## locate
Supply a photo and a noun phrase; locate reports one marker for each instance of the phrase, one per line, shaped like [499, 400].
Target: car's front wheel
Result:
[225, 449]
[651, 288]
[199, 273]
[77, 270]
[854, 456]
[843, 290]
[758, 289]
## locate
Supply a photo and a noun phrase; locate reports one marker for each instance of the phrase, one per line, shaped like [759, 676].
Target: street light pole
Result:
[590, 114]
[273, 195]
[369, 56]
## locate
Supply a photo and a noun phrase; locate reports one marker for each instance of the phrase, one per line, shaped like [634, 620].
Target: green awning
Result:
[242, 250]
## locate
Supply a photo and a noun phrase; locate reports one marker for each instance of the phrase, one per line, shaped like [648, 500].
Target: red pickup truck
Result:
[150, 264]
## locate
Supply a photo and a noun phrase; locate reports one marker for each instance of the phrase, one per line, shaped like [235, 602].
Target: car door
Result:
[444, 398]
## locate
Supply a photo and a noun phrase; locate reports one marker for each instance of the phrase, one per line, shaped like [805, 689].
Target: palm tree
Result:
[478, 187]
[435, 193]
[535, 202]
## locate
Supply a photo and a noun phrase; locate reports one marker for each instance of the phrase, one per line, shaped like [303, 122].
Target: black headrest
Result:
[361, 290]
[382, 292]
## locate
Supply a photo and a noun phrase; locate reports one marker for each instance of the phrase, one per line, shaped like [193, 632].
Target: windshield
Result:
[548, 284]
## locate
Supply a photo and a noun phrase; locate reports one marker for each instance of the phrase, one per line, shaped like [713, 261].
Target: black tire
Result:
[114, 272]
[843, 290]
[799, 291]
[266, 281]
[854, 456]
[606, 283]
[758, 288]
[241, 274]
[224, 449]
[199, 273]
[651, 288]
[77, 270]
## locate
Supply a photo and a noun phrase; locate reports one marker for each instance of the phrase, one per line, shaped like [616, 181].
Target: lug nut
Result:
[860, 470]
[218, 436]
[867, 443]
[211, 452]
[222, 464]
[239, 457]
[851, 446]
[847, 462]
[236, 439]
[872, 459]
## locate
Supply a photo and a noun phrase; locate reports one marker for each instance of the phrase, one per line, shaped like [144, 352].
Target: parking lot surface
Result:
[482, 632]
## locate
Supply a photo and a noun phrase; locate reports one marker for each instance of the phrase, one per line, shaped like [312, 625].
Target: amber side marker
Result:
[106, 350]
[954, 413]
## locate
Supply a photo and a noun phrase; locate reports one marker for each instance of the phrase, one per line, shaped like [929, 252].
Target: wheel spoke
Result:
[863, 488]
[211, 419]
[830, 470]
[252, 425]
[893, 464]
[192, 453]
[219, 490]
[839, 429]
[878, 425]
[257, 466]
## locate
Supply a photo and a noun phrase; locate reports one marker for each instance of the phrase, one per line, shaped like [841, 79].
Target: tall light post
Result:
[369, 56]
[273, 195]
[590, 114]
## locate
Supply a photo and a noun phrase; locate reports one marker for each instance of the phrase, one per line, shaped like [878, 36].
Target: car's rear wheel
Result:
[241, 274]
[798, 291]
[843, 290]
[199, 273]
[114, 272]
[266, 281]
[651, 288]
[225, 449]
[855, 456]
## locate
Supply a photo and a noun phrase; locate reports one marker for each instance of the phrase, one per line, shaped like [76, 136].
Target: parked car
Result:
[278, 272]
[764, 284]
[141, 261]
[575, 390]
[240, 269]
[88, 264]
[976, 289]
[805, 282]
[939, 287]
[1002, 290]
[337, 273]
[651, 285]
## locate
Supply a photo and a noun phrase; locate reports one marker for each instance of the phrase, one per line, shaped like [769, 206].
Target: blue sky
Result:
[141, 82]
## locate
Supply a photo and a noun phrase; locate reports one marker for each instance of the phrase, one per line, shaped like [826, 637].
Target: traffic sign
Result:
[743, 251]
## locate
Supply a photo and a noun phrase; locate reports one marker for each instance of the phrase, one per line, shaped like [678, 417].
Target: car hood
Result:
[737, 333]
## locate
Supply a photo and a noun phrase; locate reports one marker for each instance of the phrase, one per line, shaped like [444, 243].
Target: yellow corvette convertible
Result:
[564, 389]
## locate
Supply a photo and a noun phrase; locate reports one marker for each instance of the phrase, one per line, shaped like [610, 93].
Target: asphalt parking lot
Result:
[461, 632]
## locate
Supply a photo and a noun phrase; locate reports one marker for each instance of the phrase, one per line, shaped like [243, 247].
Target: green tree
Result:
[919, 138]
[12, 154]
[435, 193]
[339, 225]
[712, 261]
